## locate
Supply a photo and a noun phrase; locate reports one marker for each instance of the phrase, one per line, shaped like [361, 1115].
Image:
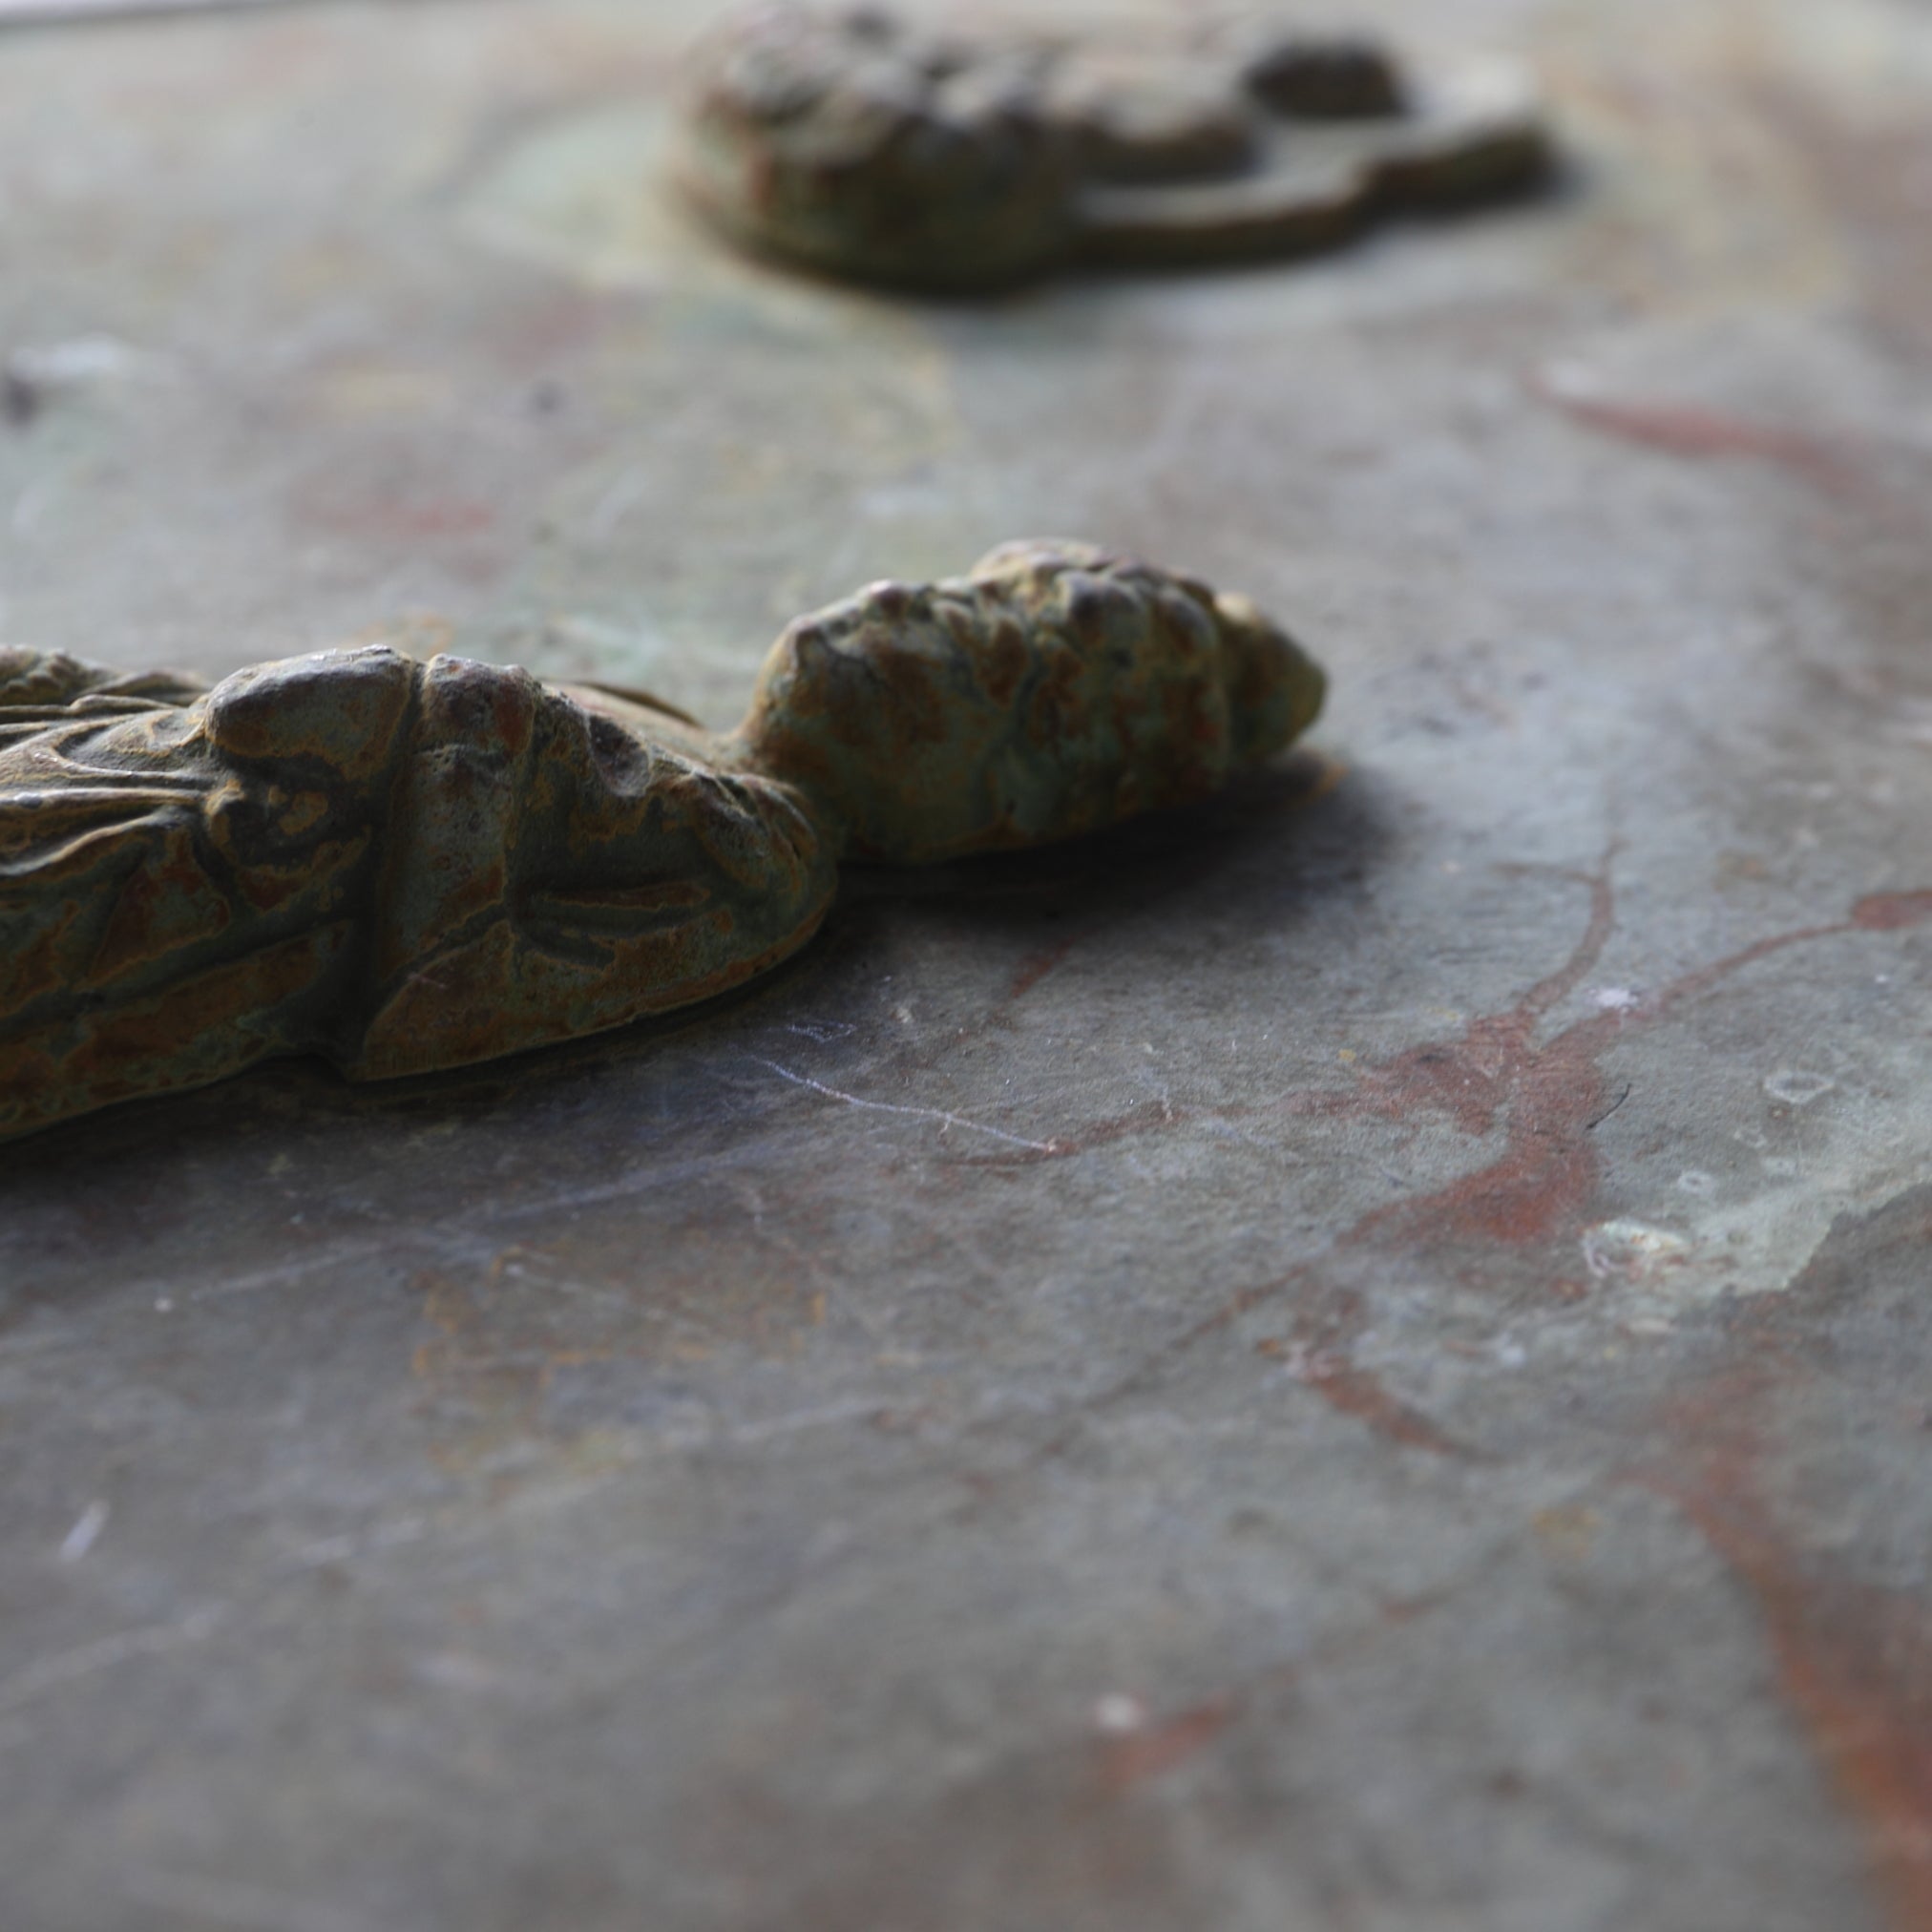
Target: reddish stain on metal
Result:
[1688, 430]
[1035, 967]
[1354, 1391]
[401, 517]
[1548, 1097]
[1546, 1175]
[1892, 911]
[1148, 1752]
[1853, 1662]
[1551, 1097]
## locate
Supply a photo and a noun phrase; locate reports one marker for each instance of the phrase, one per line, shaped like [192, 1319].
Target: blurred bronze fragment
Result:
[855, 144]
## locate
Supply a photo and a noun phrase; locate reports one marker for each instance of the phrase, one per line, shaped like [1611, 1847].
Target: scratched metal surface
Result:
[1355, 1362]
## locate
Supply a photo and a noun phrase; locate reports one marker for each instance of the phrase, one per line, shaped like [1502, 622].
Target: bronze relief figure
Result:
[403, 866]
[859, 146]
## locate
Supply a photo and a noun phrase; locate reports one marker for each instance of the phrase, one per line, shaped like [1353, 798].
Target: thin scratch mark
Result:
[915, 1113]
[1590, 1126]
[335, 1549]
[64, 1666]
[449, 1242]
[609, 509]
[280, 1274]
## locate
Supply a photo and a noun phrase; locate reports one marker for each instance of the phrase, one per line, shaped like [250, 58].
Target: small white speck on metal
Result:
[85, 1533]
[1118, 1715]
[1798, 1087]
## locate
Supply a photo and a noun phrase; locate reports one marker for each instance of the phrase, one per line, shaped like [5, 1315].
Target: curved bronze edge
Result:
[650, 1003]
[1478, 137]
[918, 275]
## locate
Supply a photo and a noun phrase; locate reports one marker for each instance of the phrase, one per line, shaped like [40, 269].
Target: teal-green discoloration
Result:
[406, 866]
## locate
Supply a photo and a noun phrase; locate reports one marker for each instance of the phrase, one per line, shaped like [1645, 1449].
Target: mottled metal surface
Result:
[859, 143]
[1056, 691]
[400, 866]
[405, 867]
[1355, 1361]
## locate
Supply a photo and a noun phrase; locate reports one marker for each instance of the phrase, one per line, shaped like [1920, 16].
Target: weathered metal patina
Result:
[855, 144]
[408, 866]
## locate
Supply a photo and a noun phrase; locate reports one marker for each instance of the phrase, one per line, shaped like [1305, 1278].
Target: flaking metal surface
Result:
[1355, 1359]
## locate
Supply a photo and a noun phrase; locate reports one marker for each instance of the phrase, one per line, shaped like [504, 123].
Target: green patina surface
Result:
[408, 866]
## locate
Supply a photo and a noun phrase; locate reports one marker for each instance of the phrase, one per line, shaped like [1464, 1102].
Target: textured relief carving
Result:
[406, 866]
[856, 144]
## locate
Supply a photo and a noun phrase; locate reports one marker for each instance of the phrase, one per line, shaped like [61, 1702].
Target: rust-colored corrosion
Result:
[855, 144]
[407, 866]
